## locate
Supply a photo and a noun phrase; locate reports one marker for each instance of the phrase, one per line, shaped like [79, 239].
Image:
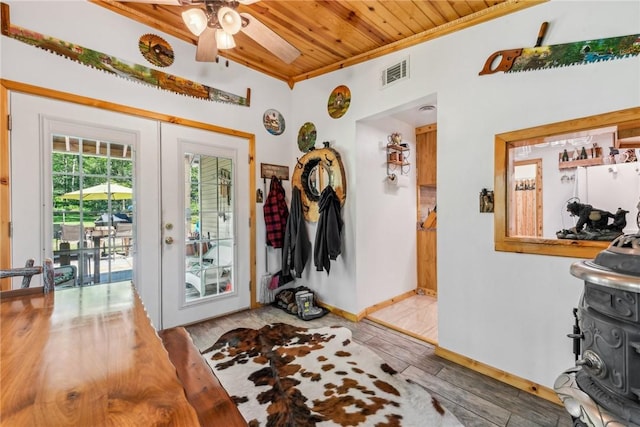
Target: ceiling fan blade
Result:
[270, 40]
[207, 49]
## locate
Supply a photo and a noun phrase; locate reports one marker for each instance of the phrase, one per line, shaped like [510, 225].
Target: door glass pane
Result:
[209, 251]
[93, 211]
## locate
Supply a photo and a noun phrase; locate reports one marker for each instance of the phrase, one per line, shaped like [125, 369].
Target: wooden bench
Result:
[202, 388]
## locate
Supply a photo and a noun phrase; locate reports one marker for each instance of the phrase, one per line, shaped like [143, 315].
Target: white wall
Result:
[610, 187]
[510, 311]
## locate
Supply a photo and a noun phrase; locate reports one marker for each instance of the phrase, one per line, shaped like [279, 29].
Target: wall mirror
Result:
[539, 171]
[316, 170]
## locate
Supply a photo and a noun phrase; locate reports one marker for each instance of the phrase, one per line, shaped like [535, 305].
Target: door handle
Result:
[168, 240]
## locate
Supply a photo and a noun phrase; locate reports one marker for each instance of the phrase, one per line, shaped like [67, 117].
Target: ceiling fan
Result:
[217, 23]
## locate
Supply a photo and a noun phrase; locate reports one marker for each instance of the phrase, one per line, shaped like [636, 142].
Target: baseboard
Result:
[425, 291]
[340, 312]
[502, 376]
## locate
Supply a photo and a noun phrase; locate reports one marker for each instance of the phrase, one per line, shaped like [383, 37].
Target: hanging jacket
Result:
[297, 246]
[275, 214]
[328, 241]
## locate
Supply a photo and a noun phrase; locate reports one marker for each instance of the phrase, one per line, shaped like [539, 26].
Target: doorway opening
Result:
[525, 196]
[416, 313]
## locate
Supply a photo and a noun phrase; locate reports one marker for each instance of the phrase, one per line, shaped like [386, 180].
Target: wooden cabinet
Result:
[426, 154]
[427, 261]
[426, 165]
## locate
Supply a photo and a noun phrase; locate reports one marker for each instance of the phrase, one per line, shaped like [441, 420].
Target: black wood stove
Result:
[603, 389]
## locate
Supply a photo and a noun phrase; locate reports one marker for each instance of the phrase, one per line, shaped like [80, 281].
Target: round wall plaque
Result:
[307, 137]
[339, 102]
[156, 50]
[273, 122]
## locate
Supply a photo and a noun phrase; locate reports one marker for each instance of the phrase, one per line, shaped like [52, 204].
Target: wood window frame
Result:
[505, 141]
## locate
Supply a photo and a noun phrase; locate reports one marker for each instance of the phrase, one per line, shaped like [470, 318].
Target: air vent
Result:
[395, 73]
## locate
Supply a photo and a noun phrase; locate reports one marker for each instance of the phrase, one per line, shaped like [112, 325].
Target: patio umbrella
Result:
[101, 192]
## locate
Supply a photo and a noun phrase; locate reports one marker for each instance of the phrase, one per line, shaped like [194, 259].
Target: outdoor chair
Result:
[68, 234]
[29, 270]
[124, 231]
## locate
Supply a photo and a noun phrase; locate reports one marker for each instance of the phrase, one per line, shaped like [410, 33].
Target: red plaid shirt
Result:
[276, 214]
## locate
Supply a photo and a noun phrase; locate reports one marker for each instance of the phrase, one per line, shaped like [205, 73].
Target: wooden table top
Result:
[86, 357]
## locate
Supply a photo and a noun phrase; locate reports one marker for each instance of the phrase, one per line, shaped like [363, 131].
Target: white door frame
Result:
[5, 196]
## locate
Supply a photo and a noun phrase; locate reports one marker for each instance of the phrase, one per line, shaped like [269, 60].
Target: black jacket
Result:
[297, 246]
[328, 244]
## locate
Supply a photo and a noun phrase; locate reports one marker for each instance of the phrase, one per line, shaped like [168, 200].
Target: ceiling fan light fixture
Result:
[224, 40]
[195, 20]
[229, 20]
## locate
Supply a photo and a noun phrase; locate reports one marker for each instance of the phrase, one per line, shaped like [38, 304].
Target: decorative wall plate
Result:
[156, 50]
[273, 122]
[339, 102]
[307, 137]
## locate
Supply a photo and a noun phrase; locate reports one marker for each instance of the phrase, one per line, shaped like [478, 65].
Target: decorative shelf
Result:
[397, 147]
[398, 163]
[594, 158]
[397, 157]
[584, 162]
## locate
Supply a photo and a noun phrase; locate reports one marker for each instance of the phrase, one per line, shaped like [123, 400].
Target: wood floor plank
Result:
[484, 408]
[466, 417]
[420, 360]
[518, 402]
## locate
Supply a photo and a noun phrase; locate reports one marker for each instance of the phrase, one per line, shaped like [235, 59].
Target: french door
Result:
[129, 150]
[205, 224]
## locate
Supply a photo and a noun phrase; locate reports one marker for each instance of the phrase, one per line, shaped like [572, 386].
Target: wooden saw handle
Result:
[506, 61]
[541, 33]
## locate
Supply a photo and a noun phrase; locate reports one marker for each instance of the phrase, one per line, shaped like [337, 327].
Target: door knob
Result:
[169, 226]
[168, 240]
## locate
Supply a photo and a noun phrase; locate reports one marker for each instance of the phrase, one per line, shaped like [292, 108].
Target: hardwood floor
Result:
[416, 316]
[475, 399]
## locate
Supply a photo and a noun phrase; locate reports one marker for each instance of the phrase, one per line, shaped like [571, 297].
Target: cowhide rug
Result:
[283, 375]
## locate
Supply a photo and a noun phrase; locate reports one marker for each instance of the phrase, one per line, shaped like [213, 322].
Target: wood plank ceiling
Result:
[330, 34]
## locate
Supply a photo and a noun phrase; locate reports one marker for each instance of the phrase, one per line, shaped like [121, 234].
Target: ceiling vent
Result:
[395, 73]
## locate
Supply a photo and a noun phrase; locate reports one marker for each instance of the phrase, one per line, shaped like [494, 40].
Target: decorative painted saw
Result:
[561, 55]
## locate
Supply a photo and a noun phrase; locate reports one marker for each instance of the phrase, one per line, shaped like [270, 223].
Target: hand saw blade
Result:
[562, 55]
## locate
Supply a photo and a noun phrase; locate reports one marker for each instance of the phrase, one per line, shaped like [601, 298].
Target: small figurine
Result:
[593, 223]
[395, 138]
